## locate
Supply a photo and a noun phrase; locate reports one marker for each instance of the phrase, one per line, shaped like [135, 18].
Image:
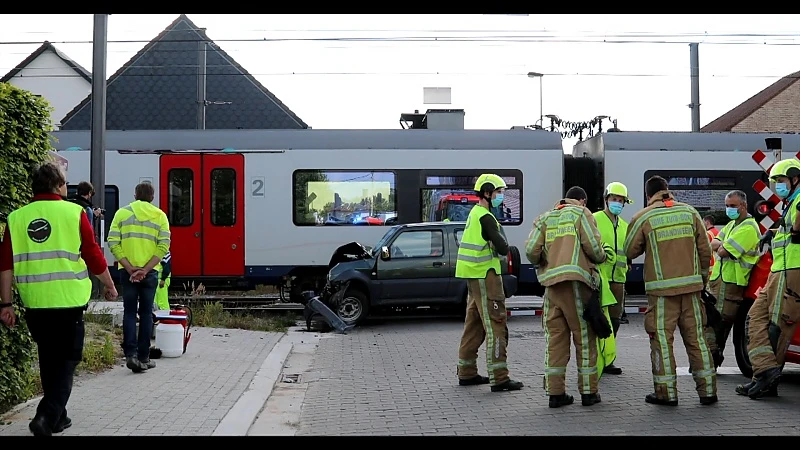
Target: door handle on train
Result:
[438, 264]
[197, 234]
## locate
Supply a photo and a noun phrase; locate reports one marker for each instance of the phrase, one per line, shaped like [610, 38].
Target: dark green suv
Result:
[412, 265]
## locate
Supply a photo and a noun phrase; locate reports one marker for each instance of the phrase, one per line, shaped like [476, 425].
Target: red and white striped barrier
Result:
[775, 214]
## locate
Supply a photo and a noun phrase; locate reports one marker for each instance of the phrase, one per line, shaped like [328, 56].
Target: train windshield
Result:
[386, 237]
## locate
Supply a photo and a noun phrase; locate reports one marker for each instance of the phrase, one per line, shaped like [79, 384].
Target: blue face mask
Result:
[615, 208]
[781, 190]
[497, 200]
[733, 213]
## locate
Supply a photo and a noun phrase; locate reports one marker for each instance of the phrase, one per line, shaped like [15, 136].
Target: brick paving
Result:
[398, 378]
[188, 395]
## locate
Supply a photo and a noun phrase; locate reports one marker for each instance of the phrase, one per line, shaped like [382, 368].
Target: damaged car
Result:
[411, 266]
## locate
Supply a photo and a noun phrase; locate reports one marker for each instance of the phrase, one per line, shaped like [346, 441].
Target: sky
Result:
[633, 68]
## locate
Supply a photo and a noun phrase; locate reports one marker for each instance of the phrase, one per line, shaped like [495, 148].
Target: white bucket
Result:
[169, 339]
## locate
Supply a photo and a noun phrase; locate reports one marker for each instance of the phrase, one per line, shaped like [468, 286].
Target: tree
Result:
[25, 126]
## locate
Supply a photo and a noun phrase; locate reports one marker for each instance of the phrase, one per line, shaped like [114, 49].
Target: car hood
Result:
[349, 252]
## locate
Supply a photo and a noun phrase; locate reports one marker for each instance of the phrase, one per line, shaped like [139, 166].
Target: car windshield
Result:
[383, 241]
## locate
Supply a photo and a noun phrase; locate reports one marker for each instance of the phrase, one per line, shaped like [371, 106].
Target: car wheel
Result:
[516, 260]
[740, 339]
[353, 308]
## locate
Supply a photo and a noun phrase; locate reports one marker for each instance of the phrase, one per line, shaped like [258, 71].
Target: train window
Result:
[223, 197]
[181, 197]
[418, 244]
[705, 193]
[453, 198]
[330, 197]
[111, 204]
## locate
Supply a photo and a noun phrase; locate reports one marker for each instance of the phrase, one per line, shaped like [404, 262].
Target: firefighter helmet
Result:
[495, 181]
[785, 168]
[617, 188]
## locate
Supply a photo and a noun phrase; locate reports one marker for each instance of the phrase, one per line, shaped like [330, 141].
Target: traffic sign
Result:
[766, 163]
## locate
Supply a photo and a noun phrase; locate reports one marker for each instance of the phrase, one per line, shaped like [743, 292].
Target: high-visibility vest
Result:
[138, 239]
[786, 255]
[162, 294]
[613, 269]
[46, 244]
[743, 240]
[475, 257]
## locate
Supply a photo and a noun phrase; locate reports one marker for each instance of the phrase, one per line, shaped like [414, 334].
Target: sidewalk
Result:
[189, 395]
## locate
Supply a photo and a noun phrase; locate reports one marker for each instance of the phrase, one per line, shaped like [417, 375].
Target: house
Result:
[53, 75]
[776, 109]
[161, 88]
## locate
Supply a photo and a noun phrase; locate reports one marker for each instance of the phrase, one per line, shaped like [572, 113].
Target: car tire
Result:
[516, 260]
[353, 308]
[740, 339]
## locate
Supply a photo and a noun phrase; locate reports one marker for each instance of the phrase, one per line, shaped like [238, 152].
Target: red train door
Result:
[202, 195]
[223, 214]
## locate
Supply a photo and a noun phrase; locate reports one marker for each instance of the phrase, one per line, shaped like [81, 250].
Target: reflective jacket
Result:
[615, 268]
[46, 245]
[786, 255]
[741, 241]
[138, 232]
[565, 245]
[475, 256]
[673, 239]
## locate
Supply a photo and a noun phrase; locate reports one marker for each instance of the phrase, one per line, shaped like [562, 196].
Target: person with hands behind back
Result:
[48, 249]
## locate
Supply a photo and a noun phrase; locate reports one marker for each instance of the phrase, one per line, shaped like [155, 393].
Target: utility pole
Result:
[694, 70]
[201, 85]
[98, 145]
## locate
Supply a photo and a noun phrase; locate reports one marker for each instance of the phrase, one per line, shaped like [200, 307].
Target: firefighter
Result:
[736, 247]
[613, 230]
[139, 239]
[565, 247]
[48, 250]
[479, 263]
[162, 292]
[673, 239]
[774, 315]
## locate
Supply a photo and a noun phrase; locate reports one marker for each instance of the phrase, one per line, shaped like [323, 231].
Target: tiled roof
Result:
[43, 48]
[157, 90]
[730, 119]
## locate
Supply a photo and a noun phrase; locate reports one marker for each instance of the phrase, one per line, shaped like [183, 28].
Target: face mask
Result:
[781, 190]
[615, 208]
[497, 200]
[733, 213]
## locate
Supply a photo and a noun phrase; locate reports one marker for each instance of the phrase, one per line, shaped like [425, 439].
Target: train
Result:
[250, 207]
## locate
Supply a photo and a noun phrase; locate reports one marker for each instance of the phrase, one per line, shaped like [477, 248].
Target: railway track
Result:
[249, 303]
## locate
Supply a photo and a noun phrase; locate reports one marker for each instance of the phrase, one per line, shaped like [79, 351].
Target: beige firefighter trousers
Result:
[774, 304]
[563, 316]
[615, 311]
[687, 313]
[486, 320]
[717, 338]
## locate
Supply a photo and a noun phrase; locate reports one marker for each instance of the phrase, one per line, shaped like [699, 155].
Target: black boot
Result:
[590, 399]
[509, 385]
[612, 370]
[39, 427]
[624, 318]
[763, 383]
[708, 400]
[654, 400]
[557, 401]
[477, 379]
[772, 391]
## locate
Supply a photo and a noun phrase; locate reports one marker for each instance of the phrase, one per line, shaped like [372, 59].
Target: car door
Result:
[418, 270]
[457, 286]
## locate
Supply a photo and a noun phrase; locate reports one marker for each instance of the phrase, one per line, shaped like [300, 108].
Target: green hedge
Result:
[25, 125]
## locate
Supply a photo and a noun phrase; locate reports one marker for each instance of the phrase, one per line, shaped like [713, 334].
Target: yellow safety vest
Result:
[162, 294]
[741, 241]
[139, 240]
[475, 257]
[46, 243]
[613, 269]
[786, 255]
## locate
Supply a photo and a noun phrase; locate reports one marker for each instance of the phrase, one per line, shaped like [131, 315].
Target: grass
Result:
[213, 315]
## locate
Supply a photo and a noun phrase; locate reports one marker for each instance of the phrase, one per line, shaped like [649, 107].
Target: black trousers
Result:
[59, 336]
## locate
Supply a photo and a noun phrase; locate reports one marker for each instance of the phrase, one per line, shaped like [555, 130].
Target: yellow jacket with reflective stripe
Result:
[786, 255]
[565, 245]
[741, 241]
[138, 232]
[46, 244]
[673, 238]
[615, 268]
[475, 257]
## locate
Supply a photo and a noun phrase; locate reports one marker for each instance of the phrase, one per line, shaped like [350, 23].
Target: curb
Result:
[239, 419]
[17, 409]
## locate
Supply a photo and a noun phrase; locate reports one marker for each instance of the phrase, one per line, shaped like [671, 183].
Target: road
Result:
[398, 378]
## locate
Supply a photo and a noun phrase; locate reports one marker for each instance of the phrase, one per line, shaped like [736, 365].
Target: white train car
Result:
[262, 206]
[701, 169]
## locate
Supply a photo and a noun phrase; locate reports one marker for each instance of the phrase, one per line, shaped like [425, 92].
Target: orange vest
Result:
[712, 233]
